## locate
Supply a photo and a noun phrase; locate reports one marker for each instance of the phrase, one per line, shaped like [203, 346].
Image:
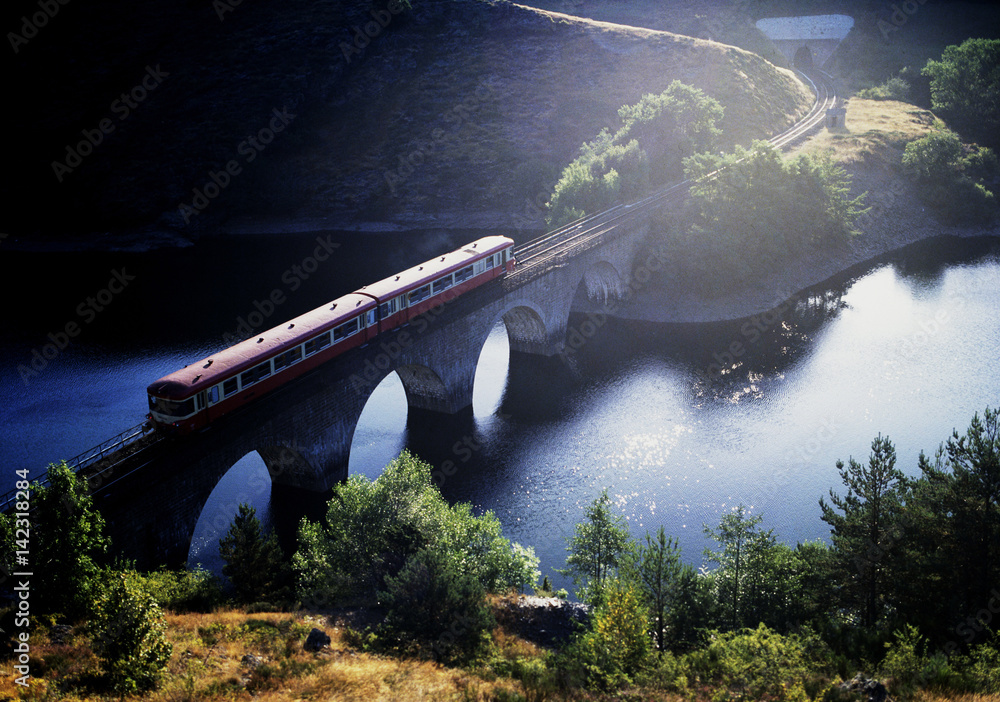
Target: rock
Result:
[60, 633]
[316, 640]
[875, 690]
[251, 661]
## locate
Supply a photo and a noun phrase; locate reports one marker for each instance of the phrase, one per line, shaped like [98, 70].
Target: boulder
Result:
[316, 640]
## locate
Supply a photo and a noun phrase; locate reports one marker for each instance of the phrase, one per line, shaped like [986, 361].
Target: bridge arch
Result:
[602, 283]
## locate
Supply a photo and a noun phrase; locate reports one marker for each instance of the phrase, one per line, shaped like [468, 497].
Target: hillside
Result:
[452, 113]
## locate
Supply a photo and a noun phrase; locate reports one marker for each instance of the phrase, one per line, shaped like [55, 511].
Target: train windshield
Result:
[170, 408]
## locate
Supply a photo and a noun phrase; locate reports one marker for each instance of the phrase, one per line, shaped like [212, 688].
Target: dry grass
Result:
[875, 132]
[209, 663]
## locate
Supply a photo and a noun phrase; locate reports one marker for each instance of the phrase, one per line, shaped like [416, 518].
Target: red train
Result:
[193, 397]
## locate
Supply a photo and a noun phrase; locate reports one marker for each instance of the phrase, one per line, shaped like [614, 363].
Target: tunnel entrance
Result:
[804, 58]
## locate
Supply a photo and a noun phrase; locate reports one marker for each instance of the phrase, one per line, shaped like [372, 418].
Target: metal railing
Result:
[89, 457]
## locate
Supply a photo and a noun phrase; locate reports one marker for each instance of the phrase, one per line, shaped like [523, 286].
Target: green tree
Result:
[68, 544]
[965, 88]
[951, 176]
[747, 211]
[865, 525]
[436, 606]
[373, 527]
[657, 570]
[254, 563]
[959, 526]
[597, 547]
[128, 633]
[647, 149]
[616, 644]
[753, 578]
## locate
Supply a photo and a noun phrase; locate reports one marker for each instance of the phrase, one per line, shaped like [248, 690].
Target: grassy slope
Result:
[209, 663]
[537, 85]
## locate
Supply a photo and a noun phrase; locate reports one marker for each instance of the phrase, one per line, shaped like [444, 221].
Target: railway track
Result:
[536, 255]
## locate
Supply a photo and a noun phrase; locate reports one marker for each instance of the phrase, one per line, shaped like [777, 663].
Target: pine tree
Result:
[253, 563]
[865, 526]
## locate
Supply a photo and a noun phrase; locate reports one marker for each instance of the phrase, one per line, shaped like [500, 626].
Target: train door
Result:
[371, 322]
[199, 406]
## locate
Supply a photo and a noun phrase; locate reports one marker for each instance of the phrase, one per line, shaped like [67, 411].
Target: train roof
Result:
[390, 287]
[214, 369]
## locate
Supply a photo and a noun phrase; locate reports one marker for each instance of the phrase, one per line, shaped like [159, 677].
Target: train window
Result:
[419, 294]
[255, 374]
[441, 284]
[488, 263]
[371, 318]
[317, 343]
[213, 394]
[230, 387]
[388, 308]
[345, 330]
[463, 274]
[286, 359]
[178, 410]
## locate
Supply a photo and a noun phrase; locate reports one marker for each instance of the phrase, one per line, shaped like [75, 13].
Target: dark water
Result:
[906, 347]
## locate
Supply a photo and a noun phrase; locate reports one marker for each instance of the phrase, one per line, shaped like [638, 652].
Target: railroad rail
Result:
[591, 230]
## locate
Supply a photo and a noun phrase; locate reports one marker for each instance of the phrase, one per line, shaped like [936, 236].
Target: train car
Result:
[416, 290]
[191, 398]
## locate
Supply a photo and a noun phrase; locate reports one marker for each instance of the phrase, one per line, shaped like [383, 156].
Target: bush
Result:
[185, 590]
[982, 669]
[950, 176]
[373, 528]
[654, 137]
[433, 607]
[759, 212]
[754, 664]
[128, 632]
[616, 645]
[893, 89]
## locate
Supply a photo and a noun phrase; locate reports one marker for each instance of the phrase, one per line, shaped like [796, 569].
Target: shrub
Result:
[754, 664]
[893, 89]
[372, 528]
[128, 632]
[654, 136]
[435, 608]
[185, 590]
[616, 645]
[950, 176]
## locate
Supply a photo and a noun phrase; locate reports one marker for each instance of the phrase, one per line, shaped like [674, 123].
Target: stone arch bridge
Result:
[152, 491]
[303, 431]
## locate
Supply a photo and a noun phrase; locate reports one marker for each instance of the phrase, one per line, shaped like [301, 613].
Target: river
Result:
[680, 423]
